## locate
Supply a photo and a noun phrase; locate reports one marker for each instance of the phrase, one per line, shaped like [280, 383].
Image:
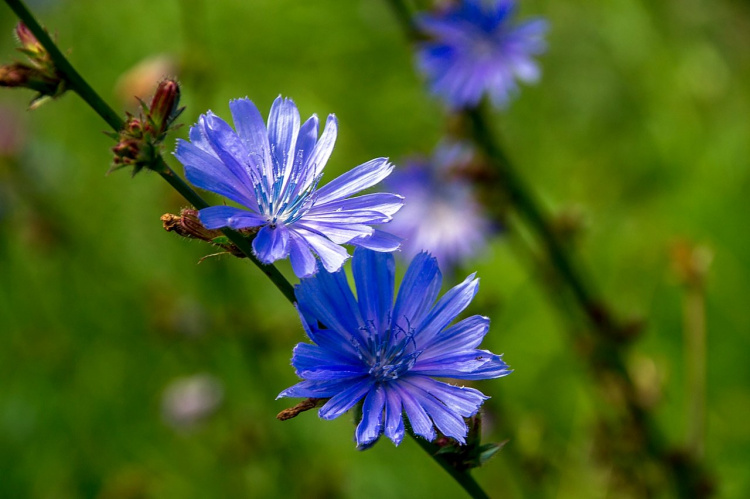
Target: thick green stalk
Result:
[76, 83]
[524, 201]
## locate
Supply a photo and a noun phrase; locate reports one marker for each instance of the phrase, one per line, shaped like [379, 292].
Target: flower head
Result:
[388, 354]
[274, 174]
[441, 214]
[475, 48]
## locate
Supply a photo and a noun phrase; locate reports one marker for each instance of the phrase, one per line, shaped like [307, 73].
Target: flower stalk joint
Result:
[139, 141]
[38, 74]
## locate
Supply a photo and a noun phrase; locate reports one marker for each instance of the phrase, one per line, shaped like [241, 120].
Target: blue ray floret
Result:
[273, 173]
[475, 48]
[441, 214]
[389, 354]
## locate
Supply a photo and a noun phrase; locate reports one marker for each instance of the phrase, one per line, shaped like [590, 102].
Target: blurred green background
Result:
[639, 126]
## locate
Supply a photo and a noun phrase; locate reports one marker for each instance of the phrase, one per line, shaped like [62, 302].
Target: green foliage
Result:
[639, 124]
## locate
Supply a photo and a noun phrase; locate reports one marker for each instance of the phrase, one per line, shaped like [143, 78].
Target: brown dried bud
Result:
[298, 409]
[187, 224]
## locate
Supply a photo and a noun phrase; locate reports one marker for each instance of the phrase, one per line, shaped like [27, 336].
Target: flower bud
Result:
[163, 108]
[26, 37]
[39, 74]
[14, 75]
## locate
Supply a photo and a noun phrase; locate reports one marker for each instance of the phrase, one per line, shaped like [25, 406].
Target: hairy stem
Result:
[76, 83]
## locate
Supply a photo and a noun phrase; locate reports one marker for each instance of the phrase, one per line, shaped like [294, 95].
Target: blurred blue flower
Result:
[476, 48]
[441, 214]
[388, 354]
[274, 173]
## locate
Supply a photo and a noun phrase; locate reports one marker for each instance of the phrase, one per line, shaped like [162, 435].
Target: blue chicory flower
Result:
[441, 214]
[476, 48]
[274, 174]
[367, 347]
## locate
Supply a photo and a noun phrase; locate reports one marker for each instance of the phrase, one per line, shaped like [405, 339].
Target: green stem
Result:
[525, 202]
[462, 477]
[76, 82]
[242, 242]
[695, 359]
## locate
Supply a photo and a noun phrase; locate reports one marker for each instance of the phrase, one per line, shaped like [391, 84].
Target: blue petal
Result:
[378, 241]
[394, 420]
[462, 336]
[336, 232]
[371, 426]
[418, 291]
[331, 254]
[474, 364]
[347, 217]
[308, 136]
[360, 178]
[450, 423]
[283, 127]
[252, 130]
[302, 259]
[374, 279]
[337, 343]
[316, 389]
[324, 147]
[345, 400]
[327, 298]
[418, 418]
[216, 217]
[446, 309]
[385, 203]
[271, 243]
[204, 170]
[462, 400]
[230, 149]
[313, 362]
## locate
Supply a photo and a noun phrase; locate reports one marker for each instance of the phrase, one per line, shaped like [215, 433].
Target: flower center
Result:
[390, 355]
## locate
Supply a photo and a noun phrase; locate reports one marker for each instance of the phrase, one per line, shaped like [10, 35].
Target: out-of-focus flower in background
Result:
[368, 348]
[189, 400]
[475, 48]
[440, 214]
[274, 174]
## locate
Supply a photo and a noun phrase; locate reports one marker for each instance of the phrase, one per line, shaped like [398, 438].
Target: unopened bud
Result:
[26, 37]
[20, 75]
[39, 74]
[164, 105]
[14, 75]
